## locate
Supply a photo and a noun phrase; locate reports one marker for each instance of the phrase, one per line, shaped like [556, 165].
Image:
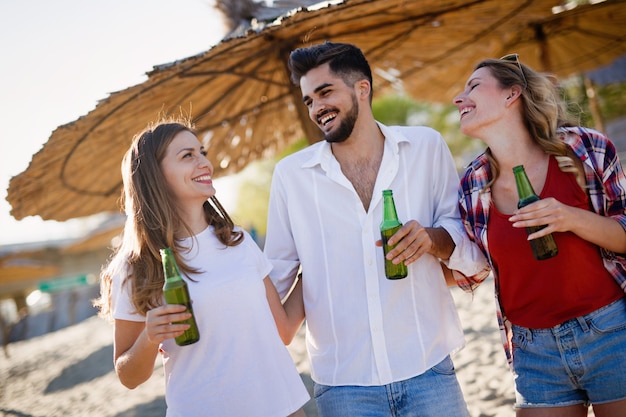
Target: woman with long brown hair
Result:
[240, 366]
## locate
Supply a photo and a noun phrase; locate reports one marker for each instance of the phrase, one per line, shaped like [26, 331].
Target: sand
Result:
[69, 372]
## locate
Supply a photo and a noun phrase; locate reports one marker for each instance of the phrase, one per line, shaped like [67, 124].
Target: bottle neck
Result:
[170, 267]
[524, 187]
[173, 278]
[389, 208]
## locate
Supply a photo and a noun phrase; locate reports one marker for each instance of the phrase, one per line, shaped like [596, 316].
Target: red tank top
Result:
[541, 294]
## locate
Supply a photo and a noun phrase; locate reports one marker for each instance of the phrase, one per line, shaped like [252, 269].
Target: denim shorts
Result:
[435, 393]
[580, 361]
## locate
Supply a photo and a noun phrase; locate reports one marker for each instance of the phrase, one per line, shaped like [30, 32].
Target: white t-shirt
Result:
[363, 329]
[239, 367]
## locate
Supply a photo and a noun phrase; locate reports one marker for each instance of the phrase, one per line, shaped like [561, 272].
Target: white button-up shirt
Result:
[363, 329]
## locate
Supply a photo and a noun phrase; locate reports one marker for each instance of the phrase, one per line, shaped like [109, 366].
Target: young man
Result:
[377, 347]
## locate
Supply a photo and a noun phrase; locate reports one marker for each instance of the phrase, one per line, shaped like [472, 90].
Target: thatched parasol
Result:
[239, 94]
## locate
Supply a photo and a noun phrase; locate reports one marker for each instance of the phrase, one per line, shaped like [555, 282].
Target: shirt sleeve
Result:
[614, 182]
[123, 308]
[279, 243]
[263, 265]
[466, 259]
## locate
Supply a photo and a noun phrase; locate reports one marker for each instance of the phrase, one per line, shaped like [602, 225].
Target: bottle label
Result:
[392, 271]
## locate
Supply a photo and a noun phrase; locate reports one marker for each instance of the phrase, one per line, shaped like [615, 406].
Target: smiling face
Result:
[332, 104]
[482, 103]
[186, 169]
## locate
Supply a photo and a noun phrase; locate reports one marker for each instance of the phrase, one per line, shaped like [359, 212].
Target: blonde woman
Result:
[564, 318]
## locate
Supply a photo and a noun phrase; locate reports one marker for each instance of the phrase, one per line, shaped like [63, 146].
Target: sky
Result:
[60, 57]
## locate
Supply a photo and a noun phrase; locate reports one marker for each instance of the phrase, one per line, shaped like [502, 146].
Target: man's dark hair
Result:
[345, 60]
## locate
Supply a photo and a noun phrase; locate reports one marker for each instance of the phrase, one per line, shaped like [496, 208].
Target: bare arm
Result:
[288, 316]
[602, 231]
[448, 276]
[136, 344]
[442, 243]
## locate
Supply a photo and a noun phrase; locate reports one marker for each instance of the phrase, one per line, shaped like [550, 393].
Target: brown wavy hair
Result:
[151, 221]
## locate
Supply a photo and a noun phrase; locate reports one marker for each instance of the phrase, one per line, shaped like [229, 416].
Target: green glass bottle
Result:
[543, 247]
[175, 291]
[388, 227]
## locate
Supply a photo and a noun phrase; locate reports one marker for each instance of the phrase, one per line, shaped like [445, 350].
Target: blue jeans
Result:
[435, 393]
[580, 361]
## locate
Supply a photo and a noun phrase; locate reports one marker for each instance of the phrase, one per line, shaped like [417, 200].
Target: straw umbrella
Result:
[240, 98]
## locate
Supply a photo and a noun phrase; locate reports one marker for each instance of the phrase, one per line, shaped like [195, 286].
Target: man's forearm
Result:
[443, 245]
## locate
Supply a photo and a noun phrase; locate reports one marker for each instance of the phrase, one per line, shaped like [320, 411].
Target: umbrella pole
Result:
[594, 106]
[313, 133]
[544, 54]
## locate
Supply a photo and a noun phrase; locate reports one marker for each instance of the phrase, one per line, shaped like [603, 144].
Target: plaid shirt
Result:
[606, 190]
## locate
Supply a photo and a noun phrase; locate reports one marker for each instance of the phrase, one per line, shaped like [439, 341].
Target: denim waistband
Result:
[581, 321]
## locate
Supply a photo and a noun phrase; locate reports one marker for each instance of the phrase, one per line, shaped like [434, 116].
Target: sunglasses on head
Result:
[515, 58]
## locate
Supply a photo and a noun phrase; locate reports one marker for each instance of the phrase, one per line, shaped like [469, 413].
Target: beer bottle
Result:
[388, 227]
[175, 291]
[543, 247]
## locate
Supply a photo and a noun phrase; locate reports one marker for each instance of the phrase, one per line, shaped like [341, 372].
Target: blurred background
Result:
[60, 58]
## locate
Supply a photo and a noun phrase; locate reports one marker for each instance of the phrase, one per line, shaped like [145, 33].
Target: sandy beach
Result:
[69, 372]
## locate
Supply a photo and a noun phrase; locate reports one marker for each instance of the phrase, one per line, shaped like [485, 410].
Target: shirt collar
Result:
[573, 138]
[322, 153]
[479, 162]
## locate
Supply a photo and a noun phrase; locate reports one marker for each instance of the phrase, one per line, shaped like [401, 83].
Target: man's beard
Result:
[344, 130]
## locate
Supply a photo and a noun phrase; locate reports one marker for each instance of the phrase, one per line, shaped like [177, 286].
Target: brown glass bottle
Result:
[388, 227]
[543, 247]
[175, 291]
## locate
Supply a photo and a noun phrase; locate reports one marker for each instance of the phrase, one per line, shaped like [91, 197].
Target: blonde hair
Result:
[544, 112]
